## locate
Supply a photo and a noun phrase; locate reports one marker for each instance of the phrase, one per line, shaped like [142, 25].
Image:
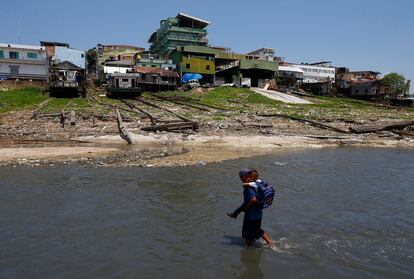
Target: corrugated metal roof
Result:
[155, 70]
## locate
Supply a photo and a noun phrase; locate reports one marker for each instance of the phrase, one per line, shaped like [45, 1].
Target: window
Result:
[207, 67]
[82, 55]
[125, 80]
[187, 66]
[1, 54]
[13, 55]
[32, 55]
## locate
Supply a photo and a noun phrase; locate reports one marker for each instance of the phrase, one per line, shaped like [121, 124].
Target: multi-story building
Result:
[61, 52]
[320, 72]
[148, 59]
[263, 54]
[174, 32]
[23, 62]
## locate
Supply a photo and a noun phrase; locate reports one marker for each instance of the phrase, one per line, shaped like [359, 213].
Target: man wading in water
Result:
[253, 212]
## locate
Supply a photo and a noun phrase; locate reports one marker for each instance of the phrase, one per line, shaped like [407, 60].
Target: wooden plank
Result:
[172, 126]
[72, 118]
[152, 117]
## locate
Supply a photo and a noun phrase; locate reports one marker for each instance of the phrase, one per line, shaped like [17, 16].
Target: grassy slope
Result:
[324, 108]
[20, 99]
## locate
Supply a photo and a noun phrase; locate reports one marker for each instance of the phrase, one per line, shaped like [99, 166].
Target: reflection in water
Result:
[250, 259]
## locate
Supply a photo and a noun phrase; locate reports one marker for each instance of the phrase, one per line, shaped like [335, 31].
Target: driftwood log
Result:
[307, 121]
[172, 126]
[123, 133]
[386, 127]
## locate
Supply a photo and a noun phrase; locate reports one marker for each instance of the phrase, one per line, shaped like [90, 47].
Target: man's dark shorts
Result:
[251, 229]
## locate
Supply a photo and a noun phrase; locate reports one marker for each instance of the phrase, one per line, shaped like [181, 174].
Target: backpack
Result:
[265, 194]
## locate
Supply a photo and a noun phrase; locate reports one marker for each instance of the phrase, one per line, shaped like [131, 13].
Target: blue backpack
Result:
[265, 194]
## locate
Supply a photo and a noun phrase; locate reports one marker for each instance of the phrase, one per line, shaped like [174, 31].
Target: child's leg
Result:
[266, 238]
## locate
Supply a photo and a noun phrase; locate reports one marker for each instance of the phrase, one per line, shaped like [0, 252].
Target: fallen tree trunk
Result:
[403, 133]
[121, 128]
[307, 121]
[172, 126]
[385, 127]
[161, 108]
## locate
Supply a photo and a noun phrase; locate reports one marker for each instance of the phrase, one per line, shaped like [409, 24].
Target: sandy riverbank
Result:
[177, 150]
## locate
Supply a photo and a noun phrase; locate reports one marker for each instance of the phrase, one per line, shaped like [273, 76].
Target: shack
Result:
[66, 78]
[123, 85]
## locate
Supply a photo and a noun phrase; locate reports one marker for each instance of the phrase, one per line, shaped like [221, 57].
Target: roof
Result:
[67, 66]
[156, 71]
[320, 63]
[125, 63]
[195, 22]
[290, 69]
[47, 43]
[361, 72]
[257, 50]
[23, 46]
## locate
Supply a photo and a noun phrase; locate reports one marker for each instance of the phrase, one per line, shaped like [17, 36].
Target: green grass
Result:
[19, 99]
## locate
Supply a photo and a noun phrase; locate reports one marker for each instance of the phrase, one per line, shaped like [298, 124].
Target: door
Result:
[116, 83]
[14, 71]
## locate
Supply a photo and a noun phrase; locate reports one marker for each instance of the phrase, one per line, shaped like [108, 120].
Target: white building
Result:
[74, 56]
[23, 62]
[317, 72]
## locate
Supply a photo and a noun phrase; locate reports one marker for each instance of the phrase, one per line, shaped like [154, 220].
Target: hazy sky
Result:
[363, 35]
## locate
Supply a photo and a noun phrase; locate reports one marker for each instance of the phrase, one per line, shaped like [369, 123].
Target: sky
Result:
[362, 35]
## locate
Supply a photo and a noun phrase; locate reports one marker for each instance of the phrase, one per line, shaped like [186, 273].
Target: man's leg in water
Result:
[248, 242]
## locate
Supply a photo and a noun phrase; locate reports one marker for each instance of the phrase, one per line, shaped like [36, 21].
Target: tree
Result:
[91, 60]
[397, 83]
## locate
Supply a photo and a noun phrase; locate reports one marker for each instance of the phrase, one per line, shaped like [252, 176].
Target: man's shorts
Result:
[251, 229]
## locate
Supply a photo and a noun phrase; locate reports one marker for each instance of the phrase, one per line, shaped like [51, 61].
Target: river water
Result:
[339, 213]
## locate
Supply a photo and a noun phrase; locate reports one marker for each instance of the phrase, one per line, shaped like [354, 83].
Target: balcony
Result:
[23, 61]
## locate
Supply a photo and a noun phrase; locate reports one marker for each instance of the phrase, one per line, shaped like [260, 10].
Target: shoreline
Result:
[159, 150]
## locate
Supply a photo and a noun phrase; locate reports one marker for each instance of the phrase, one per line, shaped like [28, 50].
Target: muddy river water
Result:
[339, 213]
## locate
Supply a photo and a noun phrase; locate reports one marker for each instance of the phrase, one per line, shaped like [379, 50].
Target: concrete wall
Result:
[74, 56]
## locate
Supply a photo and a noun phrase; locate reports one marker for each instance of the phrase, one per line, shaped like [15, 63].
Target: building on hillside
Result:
[344, 74]
[262, 54]
[289, 77]
[117, 66]
[156, 79]
[114, 59]
[195, 59]
[23, 62]
[148, 59]
[175, 32]
[360, 84]
[318, 77]
[219, 65]
[61, 52]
